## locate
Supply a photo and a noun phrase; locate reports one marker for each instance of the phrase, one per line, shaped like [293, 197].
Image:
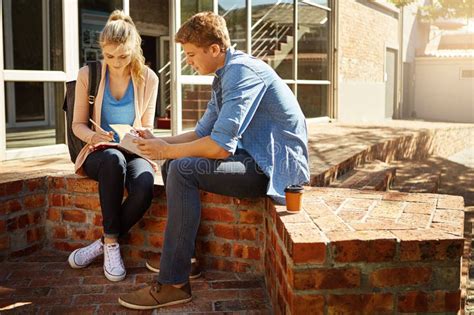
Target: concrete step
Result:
[415, 177]
[373, 175]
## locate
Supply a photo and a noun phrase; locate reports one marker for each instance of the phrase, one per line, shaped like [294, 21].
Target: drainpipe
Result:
[334, 108]
[400, 91]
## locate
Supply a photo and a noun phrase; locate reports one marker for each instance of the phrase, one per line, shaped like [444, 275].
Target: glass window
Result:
[272, 34]
[195, 99]
[40, 119]
[188, 9]
[235, 14]
[313, 99]
[33, 34]
[313, 42]
[191, 7]
[93, 15]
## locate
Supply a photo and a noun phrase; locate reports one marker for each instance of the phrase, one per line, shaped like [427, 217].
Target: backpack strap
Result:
[94, 80]
[95, 72]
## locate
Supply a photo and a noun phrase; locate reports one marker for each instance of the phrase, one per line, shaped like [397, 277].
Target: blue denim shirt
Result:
[252, 106]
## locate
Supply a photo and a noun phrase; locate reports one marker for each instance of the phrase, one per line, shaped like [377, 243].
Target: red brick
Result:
[361, 303]
[74, 216]
[438, 301]
[421, 208]
[77, 234]
[304, 243]
[448, 215]
[323, 279]
[35, 184]
[59, 232]
[234, 232]
[370, 251]
[11, 188]
[56, 183]
[247, 252]
[367, 246]
[404, 276]
[4, 242]
[152, 225]
[59, 200]
[54, 214]
[204, 229]
[251, 203]
[217, 214]
[89, 202]
[136, 238]
[155, 240]
[2, 226]
[34, 235]
[97, 220]
[96, 299]
[84, 185]
[430, 250]
[158, 210]
[226, 265]
[26, 251]
[35, 217]
[10, 206]
[215, 248]
[34, 201]
[65, 246]
[307, 304]
[250, 217]
[450, 202]
[90, 234]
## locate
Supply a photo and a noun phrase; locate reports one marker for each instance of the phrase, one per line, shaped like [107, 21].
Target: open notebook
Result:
[126, 134]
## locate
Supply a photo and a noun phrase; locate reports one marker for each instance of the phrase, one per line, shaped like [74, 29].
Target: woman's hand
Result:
[101, 136]
[145, 133]
[154, 149]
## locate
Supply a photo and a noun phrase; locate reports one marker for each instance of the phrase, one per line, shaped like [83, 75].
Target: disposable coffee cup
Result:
[294, 198]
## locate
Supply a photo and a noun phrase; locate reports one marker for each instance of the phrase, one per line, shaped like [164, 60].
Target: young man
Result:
[251, 142]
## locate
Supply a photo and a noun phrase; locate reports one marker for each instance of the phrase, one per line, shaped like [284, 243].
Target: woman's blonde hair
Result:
[120, 29]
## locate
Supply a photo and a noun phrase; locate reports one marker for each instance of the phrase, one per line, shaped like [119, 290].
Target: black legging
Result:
[115, 170]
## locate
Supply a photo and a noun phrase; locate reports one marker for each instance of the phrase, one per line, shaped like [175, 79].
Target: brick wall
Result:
[365, 252]
[22, 212]
[230, 236]
[348, 251]
[364, 32]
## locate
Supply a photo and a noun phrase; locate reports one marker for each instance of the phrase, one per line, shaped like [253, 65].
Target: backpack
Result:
[75, 144]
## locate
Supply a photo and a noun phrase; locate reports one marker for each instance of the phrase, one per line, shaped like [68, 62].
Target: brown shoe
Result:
[154, 265]
[155, 296]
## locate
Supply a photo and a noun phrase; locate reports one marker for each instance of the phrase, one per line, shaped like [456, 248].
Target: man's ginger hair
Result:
[203, 30]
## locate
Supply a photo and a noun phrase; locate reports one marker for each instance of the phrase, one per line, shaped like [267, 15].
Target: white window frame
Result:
[70, 24]
[178, 80]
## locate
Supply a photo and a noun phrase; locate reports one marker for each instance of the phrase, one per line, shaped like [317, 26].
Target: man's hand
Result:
[154, 148]
[144, 133]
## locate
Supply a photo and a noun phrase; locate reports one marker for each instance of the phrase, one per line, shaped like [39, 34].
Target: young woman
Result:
[126, 95]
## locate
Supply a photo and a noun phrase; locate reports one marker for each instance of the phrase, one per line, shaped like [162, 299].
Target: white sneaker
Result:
[82, 257]
[114, 268]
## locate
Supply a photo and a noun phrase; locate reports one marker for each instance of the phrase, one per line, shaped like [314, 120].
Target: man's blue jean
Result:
[237, 176]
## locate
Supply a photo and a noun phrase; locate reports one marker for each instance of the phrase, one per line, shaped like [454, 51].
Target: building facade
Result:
[340, 58]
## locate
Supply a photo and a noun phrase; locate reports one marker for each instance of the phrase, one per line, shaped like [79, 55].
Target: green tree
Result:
[442, 8]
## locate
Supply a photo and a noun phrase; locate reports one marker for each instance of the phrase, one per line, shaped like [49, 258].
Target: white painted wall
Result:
[361, 101]
[440, 93]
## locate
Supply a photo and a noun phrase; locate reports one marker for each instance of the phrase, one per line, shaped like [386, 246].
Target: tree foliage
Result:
[441, 8]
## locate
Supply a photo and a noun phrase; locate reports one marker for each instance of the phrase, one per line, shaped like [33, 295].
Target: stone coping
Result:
[336, 225]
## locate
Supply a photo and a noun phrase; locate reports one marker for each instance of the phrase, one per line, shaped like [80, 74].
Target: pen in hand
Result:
[97, 127]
